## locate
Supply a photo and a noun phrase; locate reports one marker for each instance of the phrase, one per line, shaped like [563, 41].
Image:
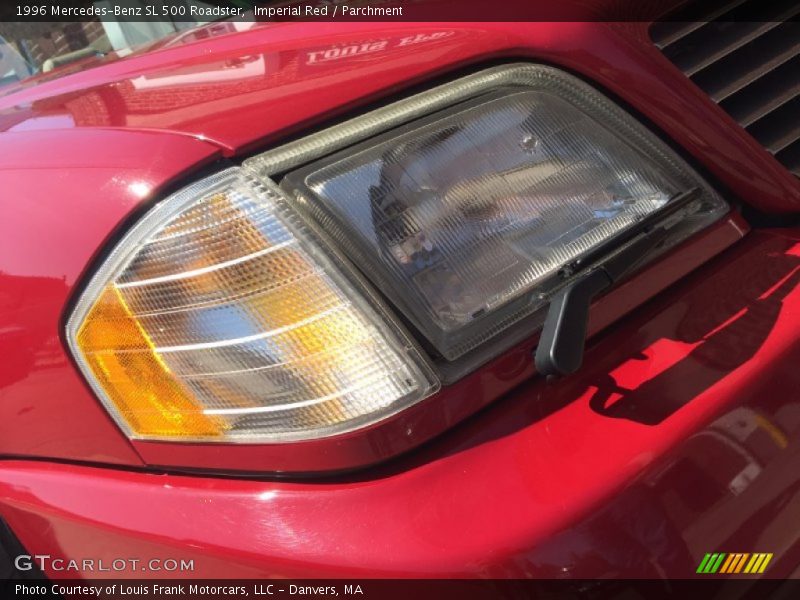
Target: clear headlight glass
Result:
[461, 215]
[220, 317]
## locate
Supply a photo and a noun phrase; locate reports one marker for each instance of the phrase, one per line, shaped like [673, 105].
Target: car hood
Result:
[237, 84]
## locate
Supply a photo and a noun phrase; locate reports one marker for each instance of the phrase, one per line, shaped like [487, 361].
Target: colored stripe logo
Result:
[732, 563]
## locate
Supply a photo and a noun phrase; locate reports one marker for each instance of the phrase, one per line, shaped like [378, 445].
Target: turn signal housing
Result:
[221, 317]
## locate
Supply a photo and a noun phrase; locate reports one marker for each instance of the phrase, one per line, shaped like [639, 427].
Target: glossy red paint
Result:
[686, 412]
[680, 436]
[248, 90]
[64, 195]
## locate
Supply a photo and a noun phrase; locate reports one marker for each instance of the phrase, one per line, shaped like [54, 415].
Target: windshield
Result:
[33, 52]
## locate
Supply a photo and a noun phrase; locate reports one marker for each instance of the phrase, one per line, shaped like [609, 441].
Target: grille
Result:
[749, 67]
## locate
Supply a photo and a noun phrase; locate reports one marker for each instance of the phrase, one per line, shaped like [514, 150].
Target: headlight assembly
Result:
[252, 305]
[462, 215]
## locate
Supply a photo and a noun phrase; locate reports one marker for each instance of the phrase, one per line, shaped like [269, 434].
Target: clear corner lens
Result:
[220, 318]
[460, 215]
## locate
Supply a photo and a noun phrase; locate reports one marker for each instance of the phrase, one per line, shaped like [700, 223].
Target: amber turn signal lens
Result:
[221, 317]
[125, 362]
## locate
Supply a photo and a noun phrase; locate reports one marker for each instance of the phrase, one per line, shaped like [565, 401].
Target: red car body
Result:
[679, 436]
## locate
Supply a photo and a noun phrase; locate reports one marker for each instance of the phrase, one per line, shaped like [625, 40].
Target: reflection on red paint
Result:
[685, 416]
[543, 484]
[244, 86]
[663, 354]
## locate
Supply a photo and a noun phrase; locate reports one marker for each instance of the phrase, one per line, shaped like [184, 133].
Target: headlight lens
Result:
[461, 215]
[219, 317]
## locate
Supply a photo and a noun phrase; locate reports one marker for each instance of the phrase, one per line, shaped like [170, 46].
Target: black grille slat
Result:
[749, 66]
[715, 39]
[751, 62]
[769, 92]
[726, 39]
[665, 33]
[671, 32]
[778, 130]
[790, 156]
